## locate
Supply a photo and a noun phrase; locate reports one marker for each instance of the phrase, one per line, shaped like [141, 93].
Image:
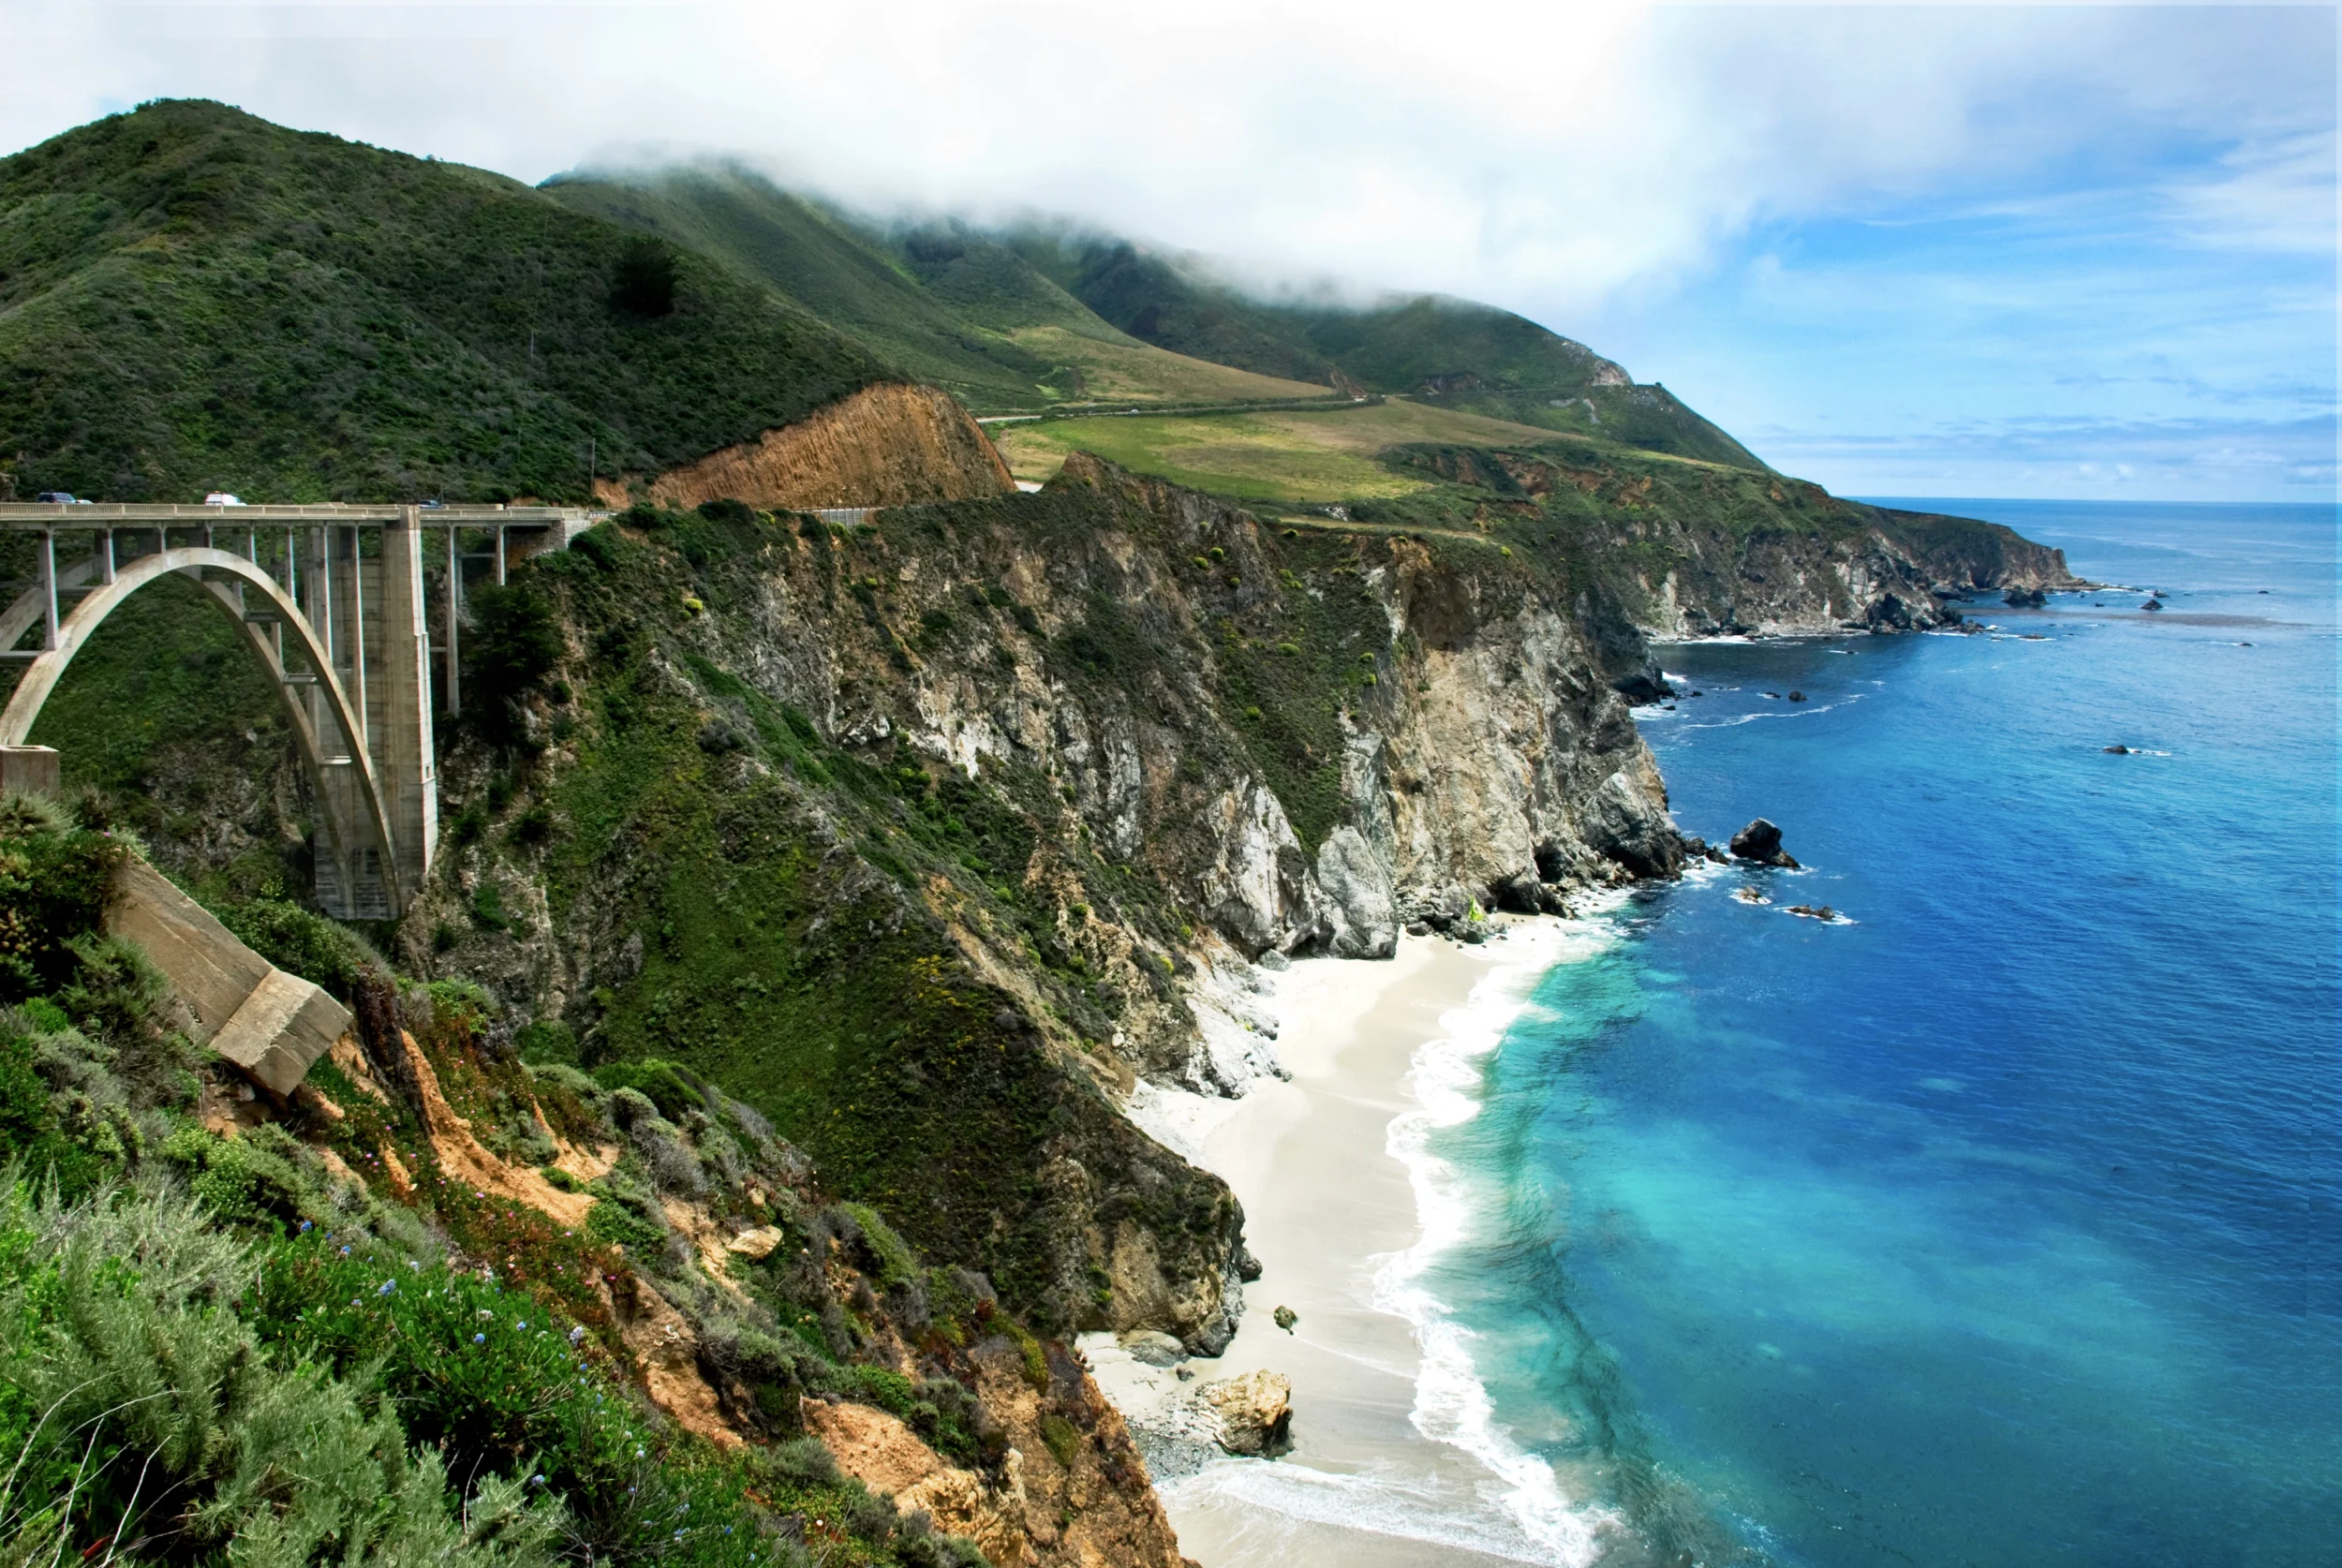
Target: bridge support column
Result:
[403, 753]
[30, 770]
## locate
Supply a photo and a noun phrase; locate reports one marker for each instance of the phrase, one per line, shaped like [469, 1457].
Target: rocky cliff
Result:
[1688, 549]
[929, 837]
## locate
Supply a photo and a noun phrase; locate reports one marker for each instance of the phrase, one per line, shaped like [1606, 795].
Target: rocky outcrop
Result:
[885, 446]
[1253, 1413]
[1850, 567]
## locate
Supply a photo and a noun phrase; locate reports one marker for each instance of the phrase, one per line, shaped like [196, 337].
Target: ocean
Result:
[1996, 1222]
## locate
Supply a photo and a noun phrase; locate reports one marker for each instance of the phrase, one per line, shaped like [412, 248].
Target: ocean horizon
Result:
[1991, 1220]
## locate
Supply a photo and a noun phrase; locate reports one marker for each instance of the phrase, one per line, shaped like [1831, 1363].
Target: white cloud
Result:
[1572, 154]
[1619, 172]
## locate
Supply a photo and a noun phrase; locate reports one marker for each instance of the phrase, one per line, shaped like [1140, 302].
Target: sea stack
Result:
[1760, 842]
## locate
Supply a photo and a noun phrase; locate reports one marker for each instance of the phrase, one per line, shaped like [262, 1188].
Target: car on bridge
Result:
[61, 498]
[221, 499]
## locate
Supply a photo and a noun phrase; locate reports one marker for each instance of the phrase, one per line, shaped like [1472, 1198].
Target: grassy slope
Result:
[1274, 455]
[1474, 355]
[190, 298]
[1120, 370]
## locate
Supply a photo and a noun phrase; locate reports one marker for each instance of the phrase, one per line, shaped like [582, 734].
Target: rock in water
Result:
[1254, 1412]
[2152, 604]
[2025, 599]
[2117, 750]
[1761, 841]
[1797, 696]
[1286, 1317]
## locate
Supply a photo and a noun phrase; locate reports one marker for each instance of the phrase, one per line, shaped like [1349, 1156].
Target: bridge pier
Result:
[405, 755]
[30, 770]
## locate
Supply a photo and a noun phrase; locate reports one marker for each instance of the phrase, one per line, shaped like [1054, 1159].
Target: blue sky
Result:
[2082, 251]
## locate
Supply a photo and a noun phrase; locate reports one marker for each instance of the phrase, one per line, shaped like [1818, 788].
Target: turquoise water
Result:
[2000, 1225]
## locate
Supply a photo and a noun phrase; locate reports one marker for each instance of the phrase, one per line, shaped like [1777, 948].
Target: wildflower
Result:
[344, 1250]
[537, 1480]
[522, 1326]
[305, 1227]
[388, 1286]
[480, 1339]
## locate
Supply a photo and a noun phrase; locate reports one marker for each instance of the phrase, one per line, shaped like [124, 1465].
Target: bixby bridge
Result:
[333, 601]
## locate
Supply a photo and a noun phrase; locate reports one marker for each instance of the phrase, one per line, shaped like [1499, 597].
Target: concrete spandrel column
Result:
[30, 770]
[400, 666]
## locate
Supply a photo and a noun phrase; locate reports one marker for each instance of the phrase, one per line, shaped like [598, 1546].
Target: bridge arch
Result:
[354, 829]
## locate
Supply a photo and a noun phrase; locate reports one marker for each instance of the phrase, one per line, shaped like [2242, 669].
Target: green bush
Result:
[672, 1087]
[138, 1406]
[301, 941]
[513, 643]
[55, 882]
[627, 1223]
[894, 1261]
[252, 1181]
[547, 1044]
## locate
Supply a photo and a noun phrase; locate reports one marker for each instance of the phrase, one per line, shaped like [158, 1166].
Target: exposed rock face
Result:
[883, 446]
[1280, 743]
[1876, 570]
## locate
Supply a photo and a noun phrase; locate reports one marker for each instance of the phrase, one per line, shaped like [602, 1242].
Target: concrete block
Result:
[30, 770]
[272, 1025]
[283, 1027]
[212, 970]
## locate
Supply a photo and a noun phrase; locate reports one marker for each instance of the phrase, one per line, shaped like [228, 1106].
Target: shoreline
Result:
[1343, 1207]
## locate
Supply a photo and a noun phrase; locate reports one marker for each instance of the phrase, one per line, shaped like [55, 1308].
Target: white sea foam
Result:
[1380, 1500]
[1451, 1403]
[1786, 710]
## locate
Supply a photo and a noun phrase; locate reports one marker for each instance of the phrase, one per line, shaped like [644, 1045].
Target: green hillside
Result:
[846, 278]
[946, 302]
[191, 298]
[1467, 355]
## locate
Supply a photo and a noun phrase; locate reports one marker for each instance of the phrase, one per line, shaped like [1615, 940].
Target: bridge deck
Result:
[44, 515]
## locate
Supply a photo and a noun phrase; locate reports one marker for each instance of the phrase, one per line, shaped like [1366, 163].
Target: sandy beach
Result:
[1330, 1212]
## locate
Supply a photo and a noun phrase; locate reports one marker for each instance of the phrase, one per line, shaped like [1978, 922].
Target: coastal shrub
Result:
[300, 941]
[626, 1220]
[55, 882]
[252, 1181]
[137, 1404]
[547, 1044]
[882, 1252]
[644, 282]
[670, 1085]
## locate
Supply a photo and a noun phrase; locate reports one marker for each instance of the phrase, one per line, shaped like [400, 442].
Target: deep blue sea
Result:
[2001, 1225]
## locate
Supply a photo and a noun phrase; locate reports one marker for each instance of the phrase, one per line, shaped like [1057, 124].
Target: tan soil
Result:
[887, 445]
[666, 1351]
[463, 1156]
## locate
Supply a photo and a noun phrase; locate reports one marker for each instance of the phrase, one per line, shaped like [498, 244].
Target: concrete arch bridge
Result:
[332, 601]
